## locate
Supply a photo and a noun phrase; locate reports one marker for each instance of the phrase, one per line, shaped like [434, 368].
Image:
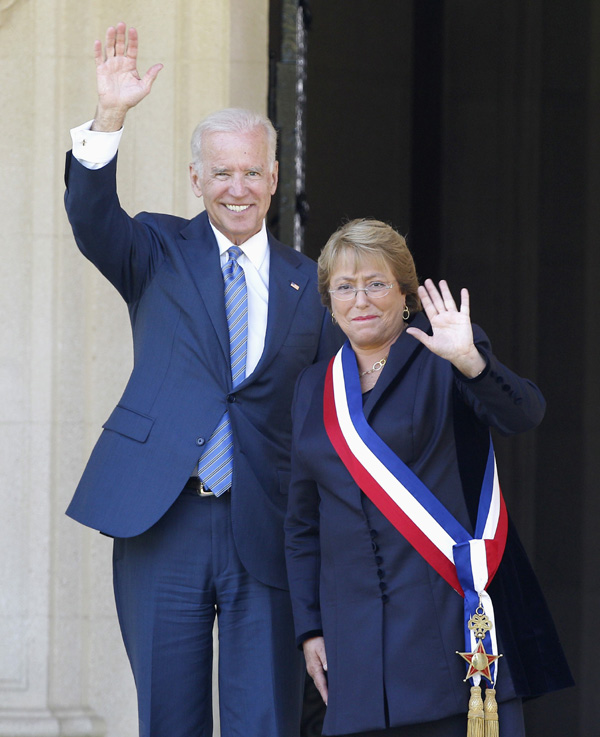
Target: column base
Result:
[51, 723]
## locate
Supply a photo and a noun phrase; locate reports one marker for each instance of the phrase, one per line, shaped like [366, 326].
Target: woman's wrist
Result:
[471, 364]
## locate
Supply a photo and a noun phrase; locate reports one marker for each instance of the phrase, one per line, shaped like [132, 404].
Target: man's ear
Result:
[195, 181]
[275, 175]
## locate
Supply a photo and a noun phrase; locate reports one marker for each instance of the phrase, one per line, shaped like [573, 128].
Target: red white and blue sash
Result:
[468, 563]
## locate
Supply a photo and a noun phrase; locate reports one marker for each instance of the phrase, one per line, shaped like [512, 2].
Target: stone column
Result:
[64, 335]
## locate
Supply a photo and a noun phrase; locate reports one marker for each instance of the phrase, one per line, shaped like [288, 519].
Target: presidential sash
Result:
[467, 562]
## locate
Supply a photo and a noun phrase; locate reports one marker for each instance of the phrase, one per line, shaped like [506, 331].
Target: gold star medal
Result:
[479, 662]
[482, 720]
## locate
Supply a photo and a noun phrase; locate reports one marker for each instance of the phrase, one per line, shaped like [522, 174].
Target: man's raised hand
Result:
[120, 87]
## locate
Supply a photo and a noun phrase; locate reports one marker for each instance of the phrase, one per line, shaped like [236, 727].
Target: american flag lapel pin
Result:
[294, 285]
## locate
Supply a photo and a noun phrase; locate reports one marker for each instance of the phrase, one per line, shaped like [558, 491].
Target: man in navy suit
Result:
[182, 554]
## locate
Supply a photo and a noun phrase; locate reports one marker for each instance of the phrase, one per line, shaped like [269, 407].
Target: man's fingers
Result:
[151, 75]
[132, 43]
[98, 54]
[109, 44]
[120, 40]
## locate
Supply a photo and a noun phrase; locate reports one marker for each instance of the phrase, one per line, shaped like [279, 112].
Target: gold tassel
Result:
[490, 709]
[475, 718]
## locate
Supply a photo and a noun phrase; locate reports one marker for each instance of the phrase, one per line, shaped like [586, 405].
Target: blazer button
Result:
[380, 573]
[383, 585]
[385, 598]
[374, 546]
[231, 398]
[200, 441]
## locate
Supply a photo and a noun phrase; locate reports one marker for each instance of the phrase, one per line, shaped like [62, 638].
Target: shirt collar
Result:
[255, 248]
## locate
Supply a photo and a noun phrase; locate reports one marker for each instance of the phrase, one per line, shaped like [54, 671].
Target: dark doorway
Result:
[473, 128]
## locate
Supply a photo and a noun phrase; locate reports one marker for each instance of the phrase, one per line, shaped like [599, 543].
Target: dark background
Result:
[472, 126]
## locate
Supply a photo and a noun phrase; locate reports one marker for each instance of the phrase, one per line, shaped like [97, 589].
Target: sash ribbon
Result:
[467, 562]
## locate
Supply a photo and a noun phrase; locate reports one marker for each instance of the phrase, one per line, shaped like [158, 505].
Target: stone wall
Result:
[64, 335]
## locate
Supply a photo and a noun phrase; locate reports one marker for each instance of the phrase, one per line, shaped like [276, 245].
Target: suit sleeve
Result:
[498, 396]
[126, 250]
[303, 555]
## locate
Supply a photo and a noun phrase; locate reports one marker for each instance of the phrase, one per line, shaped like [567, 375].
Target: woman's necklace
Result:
[377, 366]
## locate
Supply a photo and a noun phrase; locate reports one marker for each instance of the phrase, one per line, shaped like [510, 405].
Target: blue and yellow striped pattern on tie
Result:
[216, 465]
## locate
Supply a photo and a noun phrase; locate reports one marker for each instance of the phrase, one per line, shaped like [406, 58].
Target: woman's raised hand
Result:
[452, 337]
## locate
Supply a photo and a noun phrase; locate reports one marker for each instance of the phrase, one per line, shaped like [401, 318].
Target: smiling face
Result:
[368, 323]
[237, 182]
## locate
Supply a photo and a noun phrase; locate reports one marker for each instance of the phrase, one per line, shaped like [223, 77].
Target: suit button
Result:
[385, 598]
[380, 573]
[373, 534]
[383, 585]
[231, 398]
[200, 441]
[374, 546]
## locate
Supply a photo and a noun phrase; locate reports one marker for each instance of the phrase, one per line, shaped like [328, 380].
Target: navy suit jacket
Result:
[388, 619]
[167, 269]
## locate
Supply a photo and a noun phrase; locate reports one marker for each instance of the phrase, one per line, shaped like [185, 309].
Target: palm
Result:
[119, 84]
[452, 333]
[120, 87]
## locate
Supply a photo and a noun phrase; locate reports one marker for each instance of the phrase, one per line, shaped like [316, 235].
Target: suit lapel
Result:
[201, 254]
[287, 282]
[401, 355]
[286, 285]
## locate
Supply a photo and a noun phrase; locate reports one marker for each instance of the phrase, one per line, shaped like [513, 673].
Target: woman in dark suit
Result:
[410, 396]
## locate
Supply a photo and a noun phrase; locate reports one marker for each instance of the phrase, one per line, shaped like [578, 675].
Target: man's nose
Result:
[237, 185]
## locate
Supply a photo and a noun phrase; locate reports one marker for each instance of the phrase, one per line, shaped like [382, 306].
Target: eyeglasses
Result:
[375, 290]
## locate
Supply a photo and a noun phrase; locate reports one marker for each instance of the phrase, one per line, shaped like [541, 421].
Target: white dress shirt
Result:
[95, 149]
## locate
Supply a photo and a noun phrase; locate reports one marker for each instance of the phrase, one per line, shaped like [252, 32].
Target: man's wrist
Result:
[94, 149]
[108, 121]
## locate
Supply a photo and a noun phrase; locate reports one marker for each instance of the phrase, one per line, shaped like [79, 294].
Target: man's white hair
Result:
[232, 120]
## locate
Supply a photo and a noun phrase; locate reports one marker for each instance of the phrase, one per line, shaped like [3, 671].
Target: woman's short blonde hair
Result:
[367, 238]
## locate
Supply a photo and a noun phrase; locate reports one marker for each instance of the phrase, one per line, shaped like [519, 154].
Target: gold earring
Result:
[406, 313]
[333, 320]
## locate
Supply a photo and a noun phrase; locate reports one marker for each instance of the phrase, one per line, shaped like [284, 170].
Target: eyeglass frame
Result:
[336, 295]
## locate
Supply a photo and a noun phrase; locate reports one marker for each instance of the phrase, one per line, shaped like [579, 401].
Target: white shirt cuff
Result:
[94, 149]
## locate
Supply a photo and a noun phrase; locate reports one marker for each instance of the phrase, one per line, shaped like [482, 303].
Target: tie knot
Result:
[234, 252]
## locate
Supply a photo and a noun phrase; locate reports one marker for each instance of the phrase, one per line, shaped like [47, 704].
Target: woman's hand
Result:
[316, 663]
[452, 337]
[120, 87]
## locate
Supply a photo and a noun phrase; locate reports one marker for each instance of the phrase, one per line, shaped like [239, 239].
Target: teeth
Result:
[237, 208]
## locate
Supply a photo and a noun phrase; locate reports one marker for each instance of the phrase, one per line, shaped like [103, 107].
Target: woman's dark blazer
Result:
[391, 624]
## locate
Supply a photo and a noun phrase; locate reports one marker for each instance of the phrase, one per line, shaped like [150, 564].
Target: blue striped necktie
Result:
[216, 465]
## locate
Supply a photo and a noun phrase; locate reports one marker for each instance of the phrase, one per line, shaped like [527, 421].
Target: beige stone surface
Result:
[64, 335]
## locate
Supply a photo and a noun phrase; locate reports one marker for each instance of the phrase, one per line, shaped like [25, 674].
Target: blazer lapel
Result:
[201, 254]
[286, 285]
[402, 353]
